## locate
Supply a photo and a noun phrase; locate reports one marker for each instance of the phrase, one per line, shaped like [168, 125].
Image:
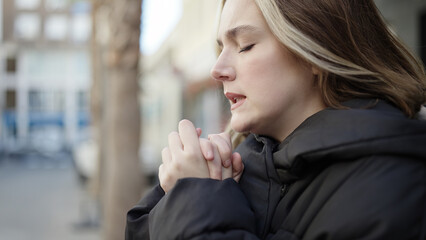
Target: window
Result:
[10, 99]
[46, 101]
[11, 65]
[56, 27]
[81, 27]
[27, 26]
[27, 4]
[83, 108]
[54, 5]
[35, 100]
[83, 101]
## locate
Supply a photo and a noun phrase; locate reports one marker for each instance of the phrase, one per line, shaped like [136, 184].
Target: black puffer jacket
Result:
[342, 174]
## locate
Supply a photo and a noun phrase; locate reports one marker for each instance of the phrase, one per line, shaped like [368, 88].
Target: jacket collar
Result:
[366, 127]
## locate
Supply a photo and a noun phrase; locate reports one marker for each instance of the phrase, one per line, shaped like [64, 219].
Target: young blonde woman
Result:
[328, 98]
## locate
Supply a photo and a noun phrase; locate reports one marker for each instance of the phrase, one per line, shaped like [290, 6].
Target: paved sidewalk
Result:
[42, 199]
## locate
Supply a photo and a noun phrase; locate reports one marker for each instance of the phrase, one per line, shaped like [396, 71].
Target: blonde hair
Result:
[356, 55]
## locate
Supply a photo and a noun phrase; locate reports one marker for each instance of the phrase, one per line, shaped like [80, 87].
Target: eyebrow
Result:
[234, 32]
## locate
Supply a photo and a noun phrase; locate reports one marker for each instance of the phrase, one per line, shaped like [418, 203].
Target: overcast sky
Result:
[159, 17]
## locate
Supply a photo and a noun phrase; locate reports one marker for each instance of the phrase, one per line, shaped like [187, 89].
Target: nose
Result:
[223, 70]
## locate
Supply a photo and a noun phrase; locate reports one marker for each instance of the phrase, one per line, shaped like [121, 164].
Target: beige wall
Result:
[184, 58]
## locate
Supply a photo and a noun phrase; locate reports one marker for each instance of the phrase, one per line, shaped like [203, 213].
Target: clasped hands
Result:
[188, 155]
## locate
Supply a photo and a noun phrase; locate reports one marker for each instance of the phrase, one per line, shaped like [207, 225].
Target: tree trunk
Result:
[121, 181]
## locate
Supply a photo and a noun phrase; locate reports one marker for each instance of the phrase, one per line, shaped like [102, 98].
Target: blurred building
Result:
[176, 79]
[44, 74]
[408, 20]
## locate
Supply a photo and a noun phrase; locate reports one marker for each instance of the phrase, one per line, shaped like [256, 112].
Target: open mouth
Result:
[236, 99]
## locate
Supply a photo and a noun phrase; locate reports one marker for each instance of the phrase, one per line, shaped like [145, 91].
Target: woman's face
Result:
[270, 90]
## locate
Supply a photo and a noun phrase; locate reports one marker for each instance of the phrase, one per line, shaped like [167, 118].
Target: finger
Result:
[224, 148]
[199, 131]
[215, 166]
[237, 163]
[161, 178]
[237, 166]
[227, 172]
[188, 136]
[175, 143]
[206, 149]
[160, 171]
[166, 155]
[227, 137]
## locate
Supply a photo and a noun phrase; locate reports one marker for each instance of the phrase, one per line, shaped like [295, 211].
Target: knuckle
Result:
[177, 165]
[225, 135]
[216, 139]
[213, 137]
[204, 142]
[226, 152]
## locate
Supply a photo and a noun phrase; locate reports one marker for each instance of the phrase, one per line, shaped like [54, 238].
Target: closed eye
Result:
[247, 48]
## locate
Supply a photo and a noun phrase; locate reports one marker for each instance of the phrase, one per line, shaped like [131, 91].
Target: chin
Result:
[240, 126]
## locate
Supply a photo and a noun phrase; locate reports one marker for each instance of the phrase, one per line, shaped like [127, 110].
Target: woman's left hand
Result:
[183, 158]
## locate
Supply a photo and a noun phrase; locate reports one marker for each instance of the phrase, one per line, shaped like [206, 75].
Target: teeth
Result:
[236, 99]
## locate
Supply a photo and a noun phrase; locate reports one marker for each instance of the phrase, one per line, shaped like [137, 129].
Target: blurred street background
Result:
[41, 198]
[90, 89]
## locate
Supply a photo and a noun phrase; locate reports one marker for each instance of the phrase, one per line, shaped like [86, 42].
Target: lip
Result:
[236, 99]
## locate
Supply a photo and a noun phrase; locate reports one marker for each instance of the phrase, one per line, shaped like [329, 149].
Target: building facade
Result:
[44, 73]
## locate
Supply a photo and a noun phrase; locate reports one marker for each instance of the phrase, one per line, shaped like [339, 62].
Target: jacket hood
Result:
[368, 127]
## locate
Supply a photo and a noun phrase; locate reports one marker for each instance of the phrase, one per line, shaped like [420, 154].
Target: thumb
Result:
[237, 166]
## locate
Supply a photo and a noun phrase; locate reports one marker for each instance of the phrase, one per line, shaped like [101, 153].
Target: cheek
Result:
[270, 61]
[258, 69]
[264, 74]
